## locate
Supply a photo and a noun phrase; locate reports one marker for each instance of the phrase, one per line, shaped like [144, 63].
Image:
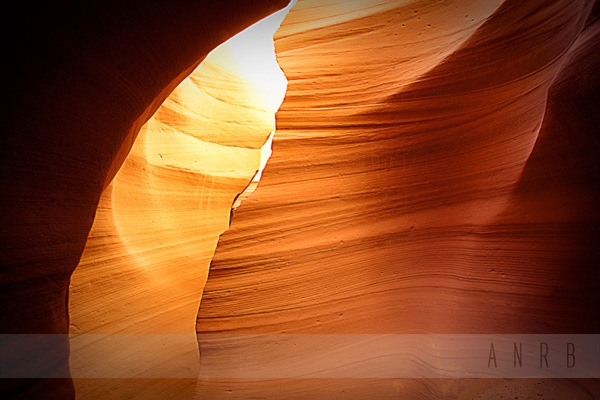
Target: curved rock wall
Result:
[158, 222]
[451, 199]
[434, 170]
[81, 81]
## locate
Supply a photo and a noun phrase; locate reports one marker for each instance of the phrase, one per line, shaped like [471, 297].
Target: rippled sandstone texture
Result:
[433, 172]
[81, 80]
[157, 225]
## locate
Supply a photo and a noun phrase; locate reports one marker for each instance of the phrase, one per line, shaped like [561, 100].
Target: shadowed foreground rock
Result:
[80, 82]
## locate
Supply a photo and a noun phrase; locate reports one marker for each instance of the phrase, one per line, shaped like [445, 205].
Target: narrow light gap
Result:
[158, 223]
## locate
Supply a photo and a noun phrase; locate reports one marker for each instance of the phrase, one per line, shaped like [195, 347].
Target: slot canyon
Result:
[188, 187]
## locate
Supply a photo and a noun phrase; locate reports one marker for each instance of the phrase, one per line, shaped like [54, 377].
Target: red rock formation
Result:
[455, 198]
[81, 81]
[434, 170]
[148, 253]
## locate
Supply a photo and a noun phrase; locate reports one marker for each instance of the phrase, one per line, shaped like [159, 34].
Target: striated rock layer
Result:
[433, 171]
[81, 80]
[158, 222]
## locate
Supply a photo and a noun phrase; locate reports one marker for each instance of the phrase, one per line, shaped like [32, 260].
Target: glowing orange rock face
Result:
[158, 222]
[394, 199]
[368, 178]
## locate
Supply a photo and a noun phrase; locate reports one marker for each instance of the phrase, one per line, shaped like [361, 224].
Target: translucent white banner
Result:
[400, 356]
[272, 356]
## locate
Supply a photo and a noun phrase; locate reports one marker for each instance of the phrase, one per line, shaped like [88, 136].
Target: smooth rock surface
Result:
[80, 81]
[434, 170]
[158, 222]
[456, 197]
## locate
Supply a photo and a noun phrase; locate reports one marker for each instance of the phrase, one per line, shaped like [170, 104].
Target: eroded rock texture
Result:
[158, 222]
[432, 172]
[81, 80]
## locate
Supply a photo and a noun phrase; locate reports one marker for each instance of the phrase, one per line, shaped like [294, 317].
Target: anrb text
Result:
[568, 358]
